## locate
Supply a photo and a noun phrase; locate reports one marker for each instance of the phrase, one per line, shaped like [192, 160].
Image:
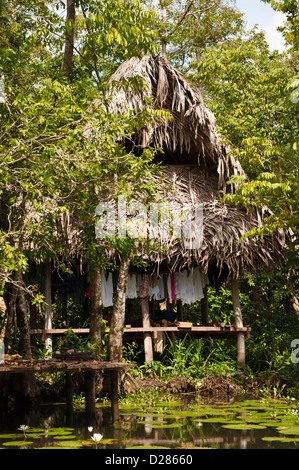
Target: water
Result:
[183, 424]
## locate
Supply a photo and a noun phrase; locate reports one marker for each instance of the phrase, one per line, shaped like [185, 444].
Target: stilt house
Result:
[197, 169]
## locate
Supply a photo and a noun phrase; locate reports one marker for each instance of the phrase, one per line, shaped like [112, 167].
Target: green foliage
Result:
[249, 89]
[188, 28]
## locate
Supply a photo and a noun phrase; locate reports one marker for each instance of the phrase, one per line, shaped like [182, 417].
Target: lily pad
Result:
[243, 426]
[63, 436]
[215, 420]
[147, 447]
[17, 443]
[107, 441]
[70, 444]
[34, 435]
[293, 430]
[162, 425]
[59, 431]
[280, 439]
[34, 430]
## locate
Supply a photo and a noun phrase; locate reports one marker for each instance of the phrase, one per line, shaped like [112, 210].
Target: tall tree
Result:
[50, 166]
[186, 29]
[69, 37]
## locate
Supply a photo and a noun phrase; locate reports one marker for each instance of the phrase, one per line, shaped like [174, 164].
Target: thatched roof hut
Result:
[197, 168]
[198, 165]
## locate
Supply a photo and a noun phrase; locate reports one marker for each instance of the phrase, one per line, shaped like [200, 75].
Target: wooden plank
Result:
[184, 324]
[58, 331]
[49, 366]
[141, 329]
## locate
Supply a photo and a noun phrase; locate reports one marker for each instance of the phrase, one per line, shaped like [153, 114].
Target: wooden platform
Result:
[223, 331]
[54, 365]
[73, 365]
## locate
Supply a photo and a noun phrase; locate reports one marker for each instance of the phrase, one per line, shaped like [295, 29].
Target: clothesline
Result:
[183, 285]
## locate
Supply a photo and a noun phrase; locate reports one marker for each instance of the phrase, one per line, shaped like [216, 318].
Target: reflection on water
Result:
[185, 424]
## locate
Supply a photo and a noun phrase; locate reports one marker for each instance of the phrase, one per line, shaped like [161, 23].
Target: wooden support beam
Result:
[48, 307]
[69, 393]
[114, 376]
[238, 321]
[148, 343]
[89, 379]
[205, 307]
[180, 311]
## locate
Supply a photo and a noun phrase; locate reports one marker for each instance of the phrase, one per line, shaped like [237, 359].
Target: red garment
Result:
[172, 283]
[88, 292]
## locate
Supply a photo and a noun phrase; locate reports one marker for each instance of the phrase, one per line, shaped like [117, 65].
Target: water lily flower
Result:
[23, 428]
[97, 437]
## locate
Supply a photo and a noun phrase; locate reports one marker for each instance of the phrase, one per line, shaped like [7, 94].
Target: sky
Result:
[262, 14]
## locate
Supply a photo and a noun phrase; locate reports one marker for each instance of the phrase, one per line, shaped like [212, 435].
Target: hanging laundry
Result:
[168, 283]
[164, 276]
[107, 290]
[88, 292]
[160, 294]
[131, 292]
[143, 286]
[153, 287]
[181, 286]
[198, 284]
[189, 286]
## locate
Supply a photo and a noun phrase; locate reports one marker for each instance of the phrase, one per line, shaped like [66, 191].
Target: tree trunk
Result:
[2, 331]
[163, 39]
[118, 315]
[96, 315]
[292, 296]
[11, 311]
[69, 37]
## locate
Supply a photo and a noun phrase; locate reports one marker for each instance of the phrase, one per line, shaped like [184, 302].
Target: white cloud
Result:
[274, 37]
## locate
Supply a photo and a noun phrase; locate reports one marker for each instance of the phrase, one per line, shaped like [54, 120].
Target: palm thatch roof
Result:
[191, 136]
[199, 165]
[223, 227]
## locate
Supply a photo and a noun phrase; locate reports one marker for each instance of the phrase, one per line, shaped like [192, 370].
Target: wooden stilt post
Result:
[205, 307]
[238, 321]
[69, 397]
[180, 312]
[48, 307]
[89, 379]
[114, 394]
[148, 343]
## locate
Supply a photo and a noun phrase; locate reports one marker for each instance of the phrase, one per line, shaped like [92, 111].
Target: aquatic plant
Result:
[24, 428]
[97, 437]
